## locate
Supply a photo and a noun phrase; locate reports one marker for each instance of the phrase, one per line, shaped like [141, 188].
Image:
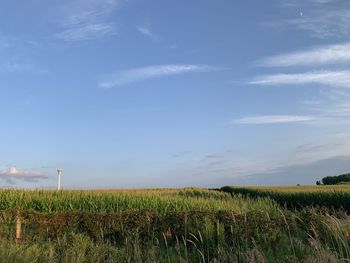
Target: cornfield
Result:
[159, 201]
[332, 197]
[165, 225]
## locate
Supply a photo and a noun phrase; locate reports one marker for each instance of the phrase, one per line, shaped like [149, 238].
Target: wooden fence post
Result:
[18, 227]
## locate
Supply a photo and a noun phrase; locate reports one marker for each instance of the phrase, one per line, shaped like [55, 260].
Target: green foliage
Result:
[166, 225]
[141, 236]
[160, 201]
[298, 197]
[332, 180]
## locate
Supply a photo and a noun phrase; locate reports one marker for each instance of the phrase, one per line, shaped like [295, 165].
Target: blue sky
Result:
[129, 93]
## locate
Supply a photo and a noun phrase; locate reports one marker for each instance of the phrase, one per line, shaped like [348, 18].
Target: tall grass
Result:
[305, 236]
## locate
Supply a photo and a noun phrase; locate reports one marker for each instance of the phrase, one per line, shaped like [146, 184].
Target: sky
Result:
[161, 93]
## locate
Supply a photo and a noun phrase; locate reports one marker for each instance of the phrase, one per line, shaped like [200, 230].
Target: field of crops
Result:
[332, 197]
[304, 188]
[160, 201]
[165, 225]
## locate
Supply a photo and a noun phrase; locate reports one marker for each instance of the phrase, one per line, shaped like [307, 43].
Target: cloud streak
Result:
[327, 78]
[22, 67]
[147, 31]
[325, 23]
[13, 173]
[331, 54]
[321, 18]
[17, 56]
[134, 75]
[272, 119]
[87, 32]
[333, 105]
[88, 19]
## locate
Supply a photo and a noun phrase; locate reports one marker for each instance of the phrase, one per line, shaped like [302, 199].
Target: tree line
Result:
[332, 180]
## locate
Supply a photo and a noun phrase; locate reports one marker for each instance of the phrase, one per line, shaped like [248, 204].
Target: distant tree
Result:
[318, 182]
[331, 180]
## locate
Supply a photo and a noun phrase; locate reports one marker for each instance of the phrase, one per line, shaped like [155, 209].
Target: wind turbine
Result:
[59, 173]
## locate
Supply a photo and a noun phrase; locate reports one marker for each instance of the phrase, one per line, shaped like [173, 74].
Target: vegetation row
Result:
[165, 225]
[160, 201]
[195, 236]
[330, 199]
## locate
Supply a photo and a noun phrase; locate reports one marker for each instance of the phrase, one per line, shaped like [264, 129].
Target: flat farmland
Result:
[167, 225]
[303, 188]
[329, 197]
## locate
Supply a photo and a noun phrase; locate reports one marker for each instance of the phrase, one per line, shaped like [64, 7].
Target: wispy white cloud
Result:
[332, 146]
[273, 119]
[22, 67]
[333, 105]
[13, 173]
[339, 110]
[147, 31]
[133, 75]
[331, 108]
[235, 166]
[327, 78]
[250, 167]
[324, 23]
[329, 146]
[18, 44]
[297, 3]
[87, 32]
[16, 55]
[88, 19]
[321, 18]
[332, 54]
